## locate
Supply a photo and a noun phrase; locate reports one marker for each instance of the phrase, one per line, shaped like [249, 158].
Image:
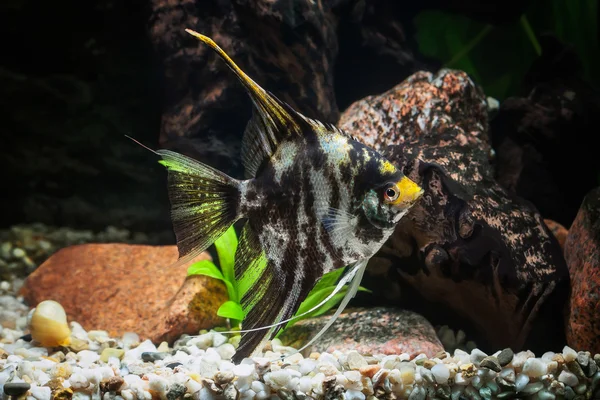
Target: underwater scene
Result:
[300, 199]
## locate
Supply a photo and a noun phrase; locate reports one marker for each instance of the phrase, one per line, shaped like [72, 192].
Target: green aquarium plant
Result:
[226, 247]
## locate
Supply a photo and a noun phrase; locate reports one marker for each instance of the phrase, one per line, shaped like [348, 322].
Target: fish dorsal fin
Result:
[273, 120]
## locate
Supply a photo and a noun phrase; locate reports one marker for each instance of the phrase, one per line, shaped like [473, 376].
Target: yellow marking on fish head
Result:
[409, 192]
[387, 167]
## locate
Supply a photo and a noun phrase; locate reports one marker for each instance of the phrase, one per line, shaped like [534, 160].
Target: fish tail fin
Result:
[204, 203]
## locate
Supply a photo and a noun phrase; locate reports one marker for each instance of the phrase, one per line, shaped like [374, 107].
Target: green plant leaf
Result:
[226, 246]
[314, 298]
[208, 268]
[205, 267]
[231, 309]
[326, 280]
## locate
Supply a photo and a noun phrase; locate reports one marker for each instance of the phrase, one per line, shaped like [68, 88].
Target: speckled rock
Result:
[582, 252]
[558, 230]
[127, 288]
[369, 331]
[469, 248]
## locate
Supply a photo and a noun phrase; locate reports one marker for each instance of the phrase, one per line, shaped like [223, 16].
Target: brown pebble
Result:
[559, 359]
[369, 370]
[63, 394]
[78, 345]
[428, 364]
[3, 354]
[112, 384]
[441, 355]
[575, 368]
[505, 357]
[468, 370]
[491, 362]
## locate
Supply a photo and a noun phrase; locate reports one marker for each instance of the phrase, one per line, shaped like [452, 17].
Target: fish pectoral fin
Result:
[204, 203]
[338, 223]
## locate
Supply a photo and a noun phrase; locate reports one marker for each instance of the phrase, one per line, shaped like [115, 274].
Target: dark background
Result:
[75, 77]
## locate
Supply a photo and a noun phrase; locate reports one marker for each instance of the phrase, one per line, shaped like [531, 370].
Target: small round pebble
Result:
[441, 373]
[505, 357]
[16, 388]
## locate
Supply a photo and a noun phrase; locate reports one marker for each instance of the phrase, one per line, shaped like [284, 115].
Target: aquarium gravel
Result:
[96, 366]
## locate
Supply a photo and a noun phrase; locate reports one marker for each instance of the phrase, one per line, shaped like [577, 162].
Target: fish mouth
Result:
[410, 192]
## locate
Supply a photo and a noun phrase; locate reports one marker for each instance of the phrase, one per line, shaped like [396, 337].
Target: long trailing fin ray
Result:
[356, 273]
[343, 281]
[204, 203]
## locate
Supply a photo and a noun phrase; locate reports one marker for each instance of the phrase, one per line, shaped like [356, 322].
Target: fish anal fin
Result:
[270, 293]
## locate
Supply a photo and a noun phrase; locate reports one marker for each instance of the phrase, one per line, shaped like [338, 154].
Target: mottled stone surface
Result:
[469, 251]
[127, 288]
[582, 252]
[369, 331]
[558, 230]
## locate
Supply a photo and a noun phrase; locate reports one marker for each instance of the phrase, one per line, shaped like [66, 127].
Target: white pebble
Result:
[305, 384]
[569, 354]
[87, 357]
[41, 392]
[568, 378]
[277, 379]
[460, 380]
[355, 360]
[81, 396]
[390, 362]
[307, 366]
[248, 394]
[476, 356]
[78, 381]
[534, 367]
[547, 356]
[226, 351]
[212, 356]
[353, 395]
[407, 374]
[193, 386]
[130, 339]
[521, 381]
[520, 358]
[243, 370]
[441, 373]
[127, 394]
[263, 395]
[258, 386]
[204, 394]
[218, 339]
[203, 341]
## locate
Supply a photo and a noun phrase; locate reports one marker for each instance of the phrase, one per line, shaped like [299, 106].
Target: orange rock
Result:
[121, 288]
[582, 253]
[559, 231]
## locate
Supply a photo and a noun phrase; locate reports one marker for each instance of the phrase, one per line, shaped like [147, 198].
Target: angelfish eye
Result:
[391, 193]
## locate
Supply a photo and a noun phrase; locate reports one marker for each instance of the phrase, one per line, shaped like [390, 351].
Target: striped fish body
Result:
[315, 200]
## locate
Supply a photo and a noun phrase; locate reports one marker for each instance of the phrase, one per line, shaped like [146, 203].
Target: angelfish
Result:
[314, 200]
